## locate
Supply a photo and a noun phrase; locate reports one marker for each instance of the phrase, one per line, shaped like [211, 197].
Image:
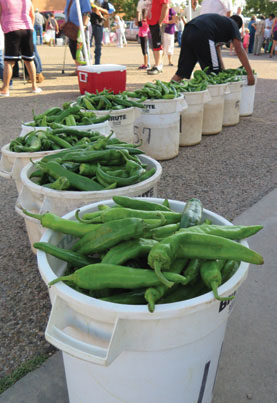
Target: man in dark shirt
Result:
[201, 41]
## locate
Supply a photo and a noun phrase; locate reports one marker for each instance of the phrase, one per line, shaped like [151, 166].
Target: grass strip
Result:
[22, 370]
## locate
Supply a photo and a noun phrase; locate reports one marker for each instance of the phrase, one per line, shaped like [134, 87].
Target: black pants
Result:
[196, 47]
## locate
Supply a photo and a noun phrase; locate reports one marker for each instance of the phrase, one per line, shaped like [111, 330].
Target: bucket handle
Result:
[62, 316]
[207, 97]
[227, 90]
[5, 174]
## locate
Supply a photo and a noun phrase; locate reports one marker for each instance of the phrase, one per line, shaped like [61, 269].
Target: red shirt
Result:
[156, 11]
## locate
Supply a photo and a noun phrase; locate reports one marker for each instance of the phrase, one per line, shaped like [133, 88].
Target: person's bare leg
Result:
[31, 68]
[7, 76]
[145, 60]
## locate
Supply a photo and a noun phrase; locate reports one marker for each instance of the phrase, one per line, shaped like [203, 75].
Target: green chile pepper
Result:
[153, 294]
[134, 297]
[111, 233]
[66, 255]
[138, 204]
[127, 250]
[202, 246]
[117, 213]
[99, 276]
[58, 224]
[192, 214]
[77, 181]
[210, 272]
[236, 232]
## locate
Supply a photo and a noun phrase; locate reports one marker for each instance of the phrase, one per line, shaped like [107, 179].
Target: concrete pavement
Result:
[247, 368]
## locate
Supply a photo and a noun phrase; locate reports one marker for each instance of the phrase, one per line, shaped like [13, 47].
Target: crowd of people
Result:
[158, 24]
[257, 34]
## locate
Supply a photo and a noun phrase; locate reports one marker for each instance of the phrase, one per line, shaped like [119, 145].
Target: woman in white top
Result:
[119, 31]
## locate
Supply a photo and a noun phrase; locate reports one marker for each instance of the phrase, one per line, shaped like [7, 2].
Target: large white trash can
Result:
[247, 97]
[192, 117]
[158, 127]
[213, 110]
[232, 104]
[38, 199]
[11, 163]
[123, 353]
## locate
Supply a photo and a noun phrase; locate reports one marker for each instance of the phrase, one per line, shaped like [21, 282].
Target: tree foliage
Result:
[126, 7]
[259, 7]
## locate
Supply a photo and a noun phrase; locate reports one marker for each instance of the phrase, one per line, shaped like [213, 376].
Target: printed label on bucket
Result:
[117, 120]
[148, 107]
[230, 304]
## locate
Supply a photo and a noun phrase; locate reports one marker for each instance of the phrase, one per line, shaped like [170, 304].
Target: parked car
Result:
[131, 31]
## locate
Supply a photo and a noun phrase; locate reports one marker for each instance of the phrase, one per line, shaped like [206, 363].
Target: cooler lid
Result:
[100, 68]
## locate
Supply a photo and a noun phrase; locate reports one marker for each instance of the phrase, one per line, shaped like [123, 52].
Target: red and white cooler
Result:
[102, 76]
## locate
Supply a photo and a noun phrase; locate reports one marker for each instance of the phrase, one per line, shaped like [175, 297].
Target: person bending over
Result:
[201, 41]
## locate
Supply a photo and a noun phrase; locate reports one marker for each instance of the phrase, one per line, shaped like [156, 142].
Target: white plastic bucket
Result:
[122, 122]
[232, 104]
[103, 128]
[213, 110]
[158, 127]
[124, 353]
[11, 163]
[59, 41]
[247, 97]
[192, 118]
[39, 200]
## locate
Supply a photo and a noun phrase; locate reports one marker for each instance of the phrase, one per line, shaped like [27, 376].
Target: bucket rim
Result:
[140, 311]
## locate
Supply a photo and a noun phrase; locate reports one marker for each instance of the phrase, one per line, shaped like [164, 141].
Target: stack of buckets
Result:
[209, 111]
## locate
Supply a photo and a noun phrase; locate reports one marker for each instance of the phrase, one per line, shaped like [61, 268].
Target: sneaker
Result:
[142, 67]
[153, 71]
[37, 91]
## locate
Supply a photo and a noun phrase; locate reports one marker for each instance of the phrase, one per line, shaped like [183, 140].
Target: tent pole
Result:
[82, 32]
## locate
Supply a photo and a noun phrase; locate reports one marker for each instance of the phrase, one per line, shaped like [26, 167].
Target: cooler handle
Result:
[83, 77]
[63, 316]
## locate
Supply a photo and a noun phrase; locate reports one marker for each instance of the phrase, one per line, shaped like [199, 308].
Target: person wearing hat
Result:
[38, 26]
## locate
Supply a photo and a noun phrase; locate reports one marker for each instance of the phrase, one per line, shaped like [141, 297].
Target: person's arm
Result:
[218, 50]
[273, 25]
[244, 61]
[164, 12]
[32, 14]
[176, 78]
[57, 26]
[85, 19]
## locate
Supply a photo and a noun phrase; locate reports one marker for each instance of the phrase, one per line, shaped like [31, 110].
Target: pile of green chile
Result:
[103, 164]
[68, 115]
[52, 139]
[107, 100]
[240, 71]
[140, 252]
[155, 90]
